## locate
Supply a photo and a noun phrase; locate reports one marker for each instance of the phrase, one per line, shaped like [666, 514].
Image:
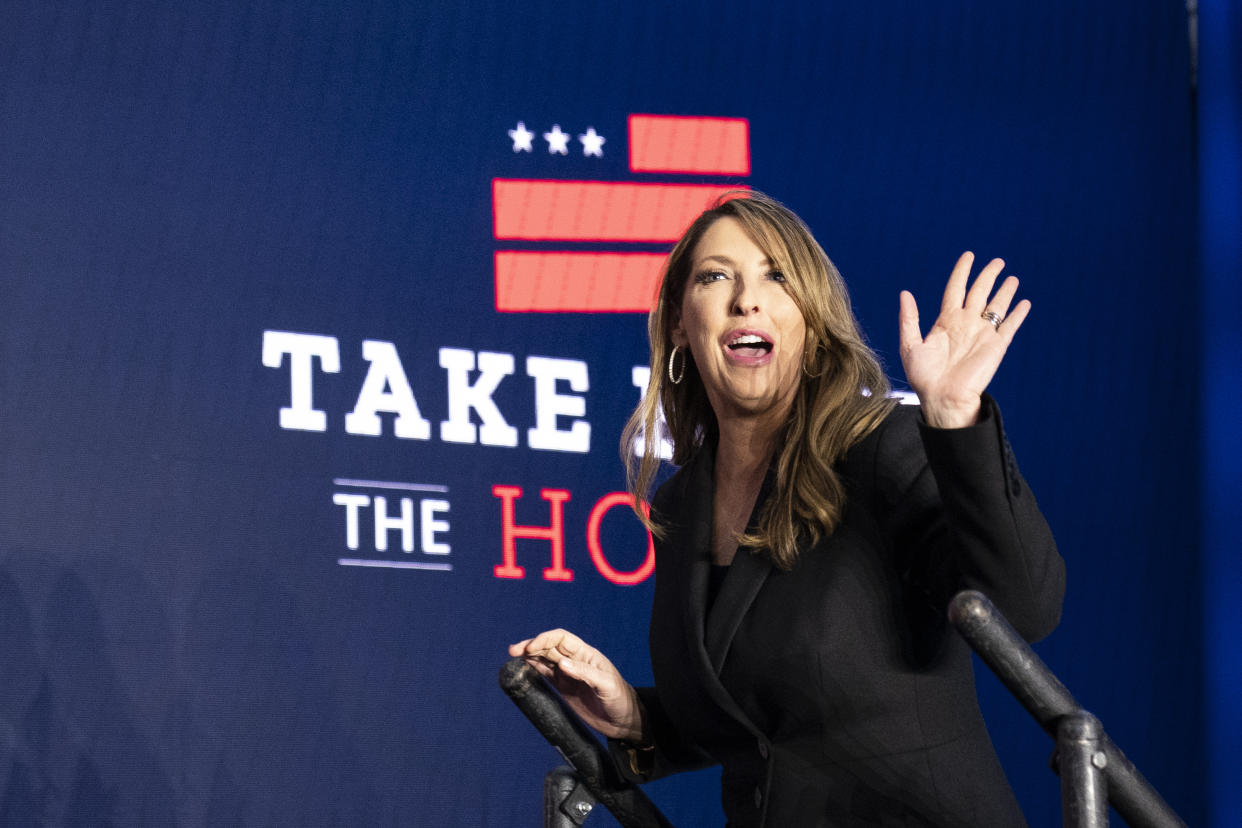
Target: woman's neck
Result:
[742, 457]
[744, 450]
[748, 438]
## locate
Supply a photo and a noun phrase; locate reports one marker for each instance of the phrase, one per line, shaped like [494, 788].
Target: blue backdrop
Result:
[213, 211]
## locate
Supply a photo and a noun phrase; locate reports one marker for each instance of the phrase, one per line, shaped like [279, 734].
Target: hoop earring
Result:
[672, 357]
[814, 353]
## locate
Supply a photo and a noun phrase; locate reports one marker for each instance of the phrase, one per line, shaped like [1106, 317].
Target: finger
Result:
[570, 646]
[585, 672]
[549, 639]
[542, 667]
[982, 288]
[955, 290]
[604, 682]
[551, 645]
[519, 648]
[908, 322]
[1014, 321]
[1000, 302]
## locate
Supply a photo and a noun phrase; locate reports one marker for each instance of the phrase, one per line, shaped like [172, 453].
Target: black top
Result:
[714, 582]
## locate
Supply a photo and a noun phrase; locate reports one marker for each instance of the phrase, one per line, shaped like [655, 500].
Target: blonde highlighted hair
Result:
[840, 399]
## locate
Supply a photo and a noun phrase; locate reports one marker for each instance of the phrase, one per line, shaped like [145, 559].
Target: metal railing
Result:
[569, 793]
[1094, 772]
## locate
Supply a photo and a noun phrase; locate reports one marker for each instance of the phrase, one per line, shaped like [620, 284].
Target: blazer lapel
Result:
[695, 550]
[708, 637]
[741, 585]
[746, 576]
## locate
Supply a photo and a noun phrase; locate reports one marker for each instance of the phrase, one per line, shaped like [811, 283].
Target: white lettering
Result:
[462, 396]
[429, 525]
[549, 405]
[352, 503]
[640, 376]
[383, 522]
[386, 389]
[301, 415]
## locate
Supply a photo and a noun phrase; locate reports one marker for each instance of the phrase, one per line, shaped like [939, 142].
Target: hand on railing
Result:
[566, 732]
[587, 680]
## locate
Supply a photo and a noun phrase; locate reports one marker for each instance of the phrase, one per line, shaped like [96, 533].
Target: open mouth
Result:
[750, 345]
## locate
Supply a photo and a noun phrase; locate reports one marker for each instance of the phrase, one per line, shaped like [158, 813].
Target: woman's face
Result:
[741, 324]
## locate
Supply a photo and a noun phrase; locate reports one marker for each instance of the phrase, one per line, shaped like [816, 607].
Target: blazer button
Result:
[758, 797]
[763, 749]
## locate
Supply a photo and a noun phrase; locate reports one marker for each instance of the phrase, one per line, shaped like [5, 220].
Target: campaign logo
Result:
[561, 246]
[624, 215]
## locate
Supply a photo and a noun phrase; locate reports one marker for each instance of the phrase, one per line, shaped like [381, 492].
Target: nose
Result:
[745, 297]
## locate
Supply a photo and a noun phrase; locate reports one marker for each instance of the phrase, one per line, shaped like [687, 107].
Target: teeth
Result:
[748, 339]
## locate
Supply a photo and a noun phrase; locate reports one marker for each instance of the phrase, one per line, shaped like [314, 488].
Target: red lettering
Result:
[554, 532]
[597, 553]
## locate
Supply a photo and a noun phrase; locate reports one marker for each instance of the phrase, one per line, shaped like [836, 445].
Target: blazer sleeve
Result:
[964, 518]
[670, 754]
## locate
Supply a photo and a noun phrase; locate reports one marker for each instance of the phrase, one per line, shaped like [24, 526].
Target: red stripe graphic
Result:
[576, 282]
[680, 144]
[597, 210]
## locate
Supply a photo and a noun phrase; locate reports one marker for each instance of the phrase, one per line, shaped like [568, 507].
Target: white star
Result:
[592, 144]
[558, 142]
[521, 138]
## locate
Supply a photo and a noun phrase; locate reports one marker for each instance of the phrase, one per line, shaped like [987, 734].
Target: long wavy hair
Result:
[841, 397]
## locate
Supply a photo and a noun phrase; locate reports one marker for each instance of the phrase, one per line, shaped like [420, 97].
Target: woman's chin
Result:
[755, 402]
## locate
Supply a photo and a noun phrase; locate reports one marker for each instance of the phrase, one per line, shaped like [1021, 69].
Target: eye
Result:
[706, 276]
[777, 276]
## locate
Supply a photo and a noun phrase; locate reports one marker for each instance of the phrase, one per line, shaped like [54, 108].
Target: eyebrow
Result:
[726, 260]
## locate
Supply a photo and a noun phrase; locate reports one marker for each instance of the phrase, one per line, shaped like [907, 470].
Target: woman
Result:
[808, 545]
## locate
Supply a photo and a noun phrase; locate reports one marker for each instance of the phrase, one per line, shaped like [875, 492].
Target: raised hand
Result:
[951, 367]
[587, 680]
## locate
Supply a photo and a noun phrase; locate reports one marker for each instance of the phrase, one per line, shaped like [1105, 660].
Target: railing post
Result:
[566, 803]
[1081, 763]
[1044, 696]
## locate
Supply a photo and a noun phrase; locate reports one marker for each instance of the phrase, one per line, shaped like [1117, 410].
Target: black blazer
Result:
[836, 694]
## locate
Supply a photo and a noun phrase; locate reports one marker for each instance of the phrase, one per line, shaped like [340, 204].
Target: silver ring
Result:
[993, 317]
